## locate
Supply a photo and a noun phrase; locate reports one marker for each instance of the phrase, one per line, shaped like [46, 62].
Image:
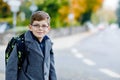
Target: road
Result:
[85, 56]
[93, 58]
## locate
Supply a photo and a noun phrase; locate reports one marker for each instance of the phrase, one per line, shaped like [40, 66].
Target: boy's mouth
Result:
[40, 32]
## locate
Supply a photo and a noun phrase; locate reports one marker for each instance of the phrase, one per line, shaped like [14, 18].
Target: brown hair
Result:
[40, 15]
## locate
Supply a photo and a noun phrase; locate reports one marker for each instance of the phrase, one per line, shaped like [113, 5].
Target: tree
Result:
[64, 11]
[82, 9]
[91, 7]
[4, 9]
[51, 6]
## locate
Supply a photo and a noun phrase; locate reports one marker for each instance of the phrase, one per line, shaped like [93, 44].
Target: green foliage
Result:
[4, 9]
[112, 21]
[51, 7]
[25, 8]
[64, 2]
[94, 18]
[8, 19]
[58, 10]
[92, 6]
[23, 23]
[86, 17]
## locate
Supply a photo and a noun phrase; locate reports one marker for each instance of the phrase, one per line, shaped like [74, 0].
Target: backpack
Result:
[21, 51]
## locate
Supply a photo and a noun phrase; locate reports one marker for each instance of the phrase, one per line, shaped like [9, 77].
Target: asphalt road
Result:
[94, 58]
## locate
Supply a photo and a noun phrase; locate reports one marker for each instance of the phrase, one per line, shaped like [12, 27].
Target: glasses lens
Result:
[38, 26]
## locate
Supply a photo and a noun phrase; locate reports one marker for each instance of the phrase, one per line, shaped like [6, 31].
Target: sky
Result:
[110, 4]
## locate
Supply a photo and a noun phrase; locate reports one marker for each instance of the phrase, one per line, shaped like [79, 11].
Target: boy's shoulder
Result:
[47, 38]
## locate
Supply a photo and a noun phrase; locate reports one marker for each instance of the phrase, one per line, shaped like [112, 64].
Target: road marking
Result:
[89, 62]
[76, 53]
[110, 73]
[79, 55]
[74, 50]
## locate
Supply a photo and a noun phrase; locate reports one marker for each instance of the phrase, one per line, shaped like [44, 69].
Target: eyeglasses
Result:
[44, 26]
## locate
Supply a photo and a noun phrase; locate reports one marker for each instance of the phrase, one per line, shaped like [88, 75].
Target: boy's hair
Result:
[40, 15]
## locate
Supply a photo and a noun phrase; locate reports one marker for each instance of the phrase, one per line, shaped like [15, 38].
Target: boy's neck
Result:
[40, 39]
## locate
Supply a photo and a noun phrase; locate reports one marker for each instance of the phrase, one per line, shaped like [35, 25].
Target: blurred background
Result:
[85, 33]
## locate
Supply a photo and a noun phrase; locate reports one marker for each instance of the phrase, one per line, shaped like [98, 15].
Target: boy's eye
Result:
[44, 25]
[38, 26]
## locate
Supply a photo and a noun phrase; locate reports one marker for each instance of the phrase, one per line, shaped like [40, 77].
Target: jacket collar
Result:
[31, 38]
[33, 44]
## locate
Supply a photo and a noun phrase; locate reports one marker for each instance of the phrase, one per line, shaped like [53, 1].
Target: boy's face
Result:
[39, 28]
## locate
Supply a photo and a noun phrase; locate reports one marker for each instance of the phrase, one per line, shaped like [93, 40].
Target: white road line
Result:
[76, 53]
[79, 55]
[89, 62]
[74, 50]
[110, 73]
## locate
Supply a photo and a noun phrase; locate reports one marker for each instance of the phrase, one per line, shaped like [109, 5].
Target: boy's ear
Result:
[49, 28]
[30, 27]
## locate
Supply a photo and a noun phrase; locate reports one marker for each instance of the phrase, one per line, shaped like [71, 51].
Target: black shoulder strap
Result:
[9, 49]
[21, 43]
[21, 50]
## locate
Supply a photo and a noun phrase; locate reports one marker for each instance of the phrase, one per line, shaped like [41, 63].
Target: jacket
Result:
[36, 66]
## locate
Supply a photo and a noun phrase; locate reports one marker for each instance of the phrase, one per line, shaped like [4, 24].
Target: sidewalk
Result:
[69, 41]
[2, 65]
[2, 76]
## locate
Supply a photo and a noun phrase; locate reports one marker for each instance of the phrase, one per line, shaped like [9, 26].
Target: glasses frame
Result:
[37, 26]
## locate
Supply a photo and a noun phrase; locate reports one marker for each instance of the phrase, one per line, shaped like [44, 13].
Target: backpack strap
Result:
[21, 51]
[9, 49]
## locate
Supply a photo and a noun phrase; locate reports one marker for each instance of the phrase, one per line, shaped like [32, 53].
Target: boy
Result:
[39, 61]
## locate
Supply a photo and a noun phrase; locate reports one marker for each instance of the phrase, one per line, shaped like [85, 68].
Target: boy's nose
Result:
[40, 27]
